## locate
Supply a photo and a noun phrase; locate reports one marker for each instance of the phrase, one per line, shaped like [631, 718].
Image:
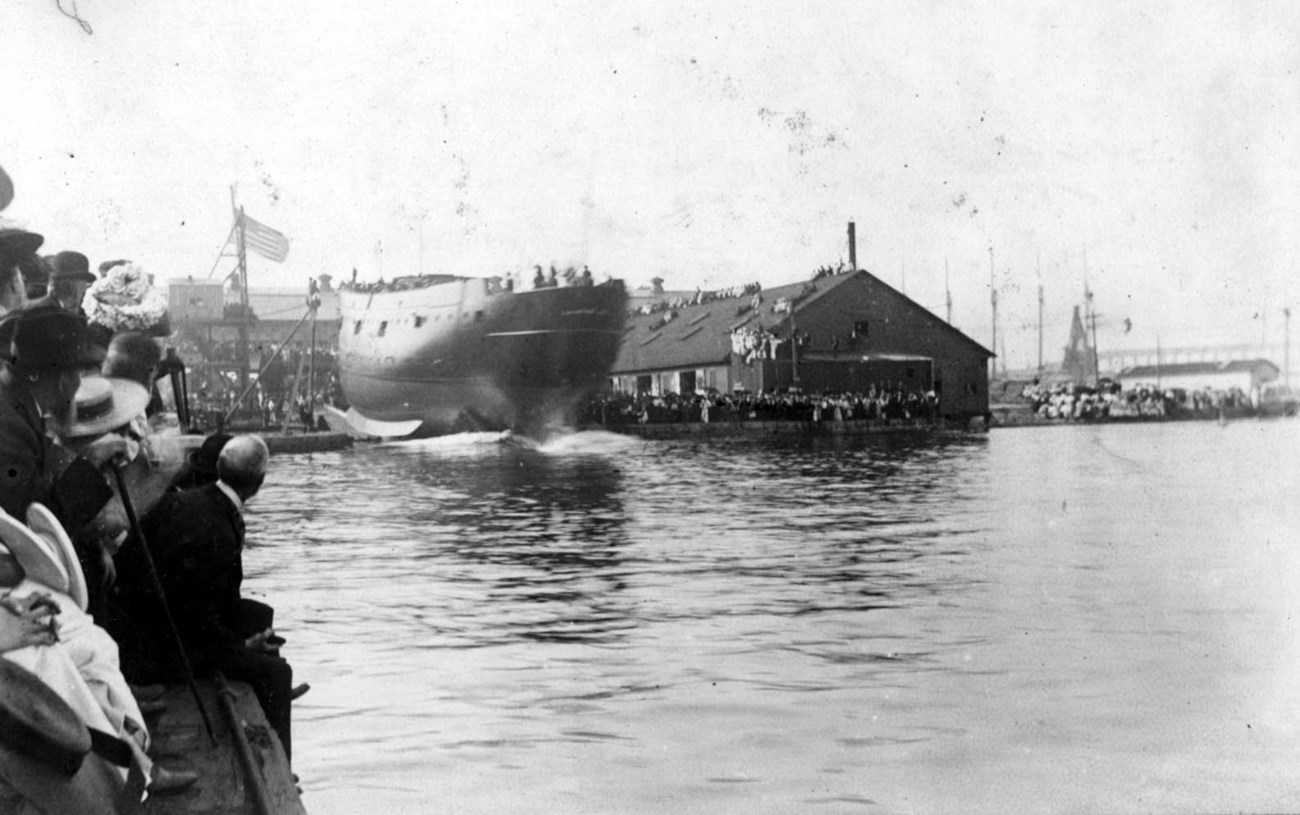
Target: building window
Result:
[383, 328]
[356, 327]
[420, 320]
[860, 329]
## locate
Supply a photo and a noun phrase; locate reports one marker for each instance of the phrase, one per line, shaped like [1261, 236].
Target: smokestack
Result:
[853, 247]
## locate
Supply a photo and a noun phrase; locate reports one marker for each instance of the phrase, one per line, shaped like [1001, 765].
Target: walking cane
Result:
[162, 597]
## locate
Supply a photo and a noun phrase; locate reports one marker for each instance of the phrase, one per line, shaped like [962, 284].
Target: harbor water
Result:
[1062, 619]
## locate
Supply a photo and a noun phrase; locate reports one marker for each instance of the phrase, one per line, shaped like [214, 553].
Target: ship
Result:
[432, 354]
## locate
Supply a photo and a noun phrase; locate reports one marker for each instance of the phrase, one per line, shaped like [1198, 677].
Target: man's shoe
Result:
[165, 782]
[299, 691]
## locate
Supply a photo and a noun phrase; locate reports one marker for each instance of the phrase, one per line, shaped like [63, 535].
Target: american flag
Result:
[265, 241]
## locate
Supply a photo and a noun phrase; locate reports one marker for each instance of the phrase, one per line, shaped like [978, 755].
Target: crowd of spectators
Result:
[120, 555]
[753, 291]
[507, 282]
[1108, 400]
[886, 403]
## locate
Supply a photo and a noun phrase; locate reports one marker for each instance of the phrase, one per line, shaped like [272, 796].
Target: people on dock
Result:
[886, 403]
[1068, 401]
[83, 446]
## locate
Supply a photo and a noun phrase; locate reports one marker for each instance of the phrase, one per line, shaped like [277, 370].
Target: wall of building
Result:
[884, 322]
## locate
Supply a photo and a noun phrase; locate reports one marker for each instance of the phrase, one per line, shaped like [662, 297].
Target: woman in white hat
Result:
[78, 659]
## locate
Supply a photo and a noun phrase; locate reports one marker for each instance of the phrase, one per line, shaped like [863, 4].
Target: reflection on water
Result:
[1090, 618]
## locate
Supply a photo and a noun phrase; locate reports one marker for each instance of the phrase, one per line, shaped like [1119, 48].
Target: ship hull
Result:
[457, 355]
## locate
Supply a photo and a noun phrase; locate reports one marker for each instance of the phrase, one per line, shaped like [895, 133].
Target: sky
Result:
[1151, 147]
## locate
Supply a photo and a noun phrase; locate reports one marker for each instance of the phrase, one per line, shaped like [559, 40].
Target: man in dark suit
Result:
[44, 349]
[69, 278]
[196, 538]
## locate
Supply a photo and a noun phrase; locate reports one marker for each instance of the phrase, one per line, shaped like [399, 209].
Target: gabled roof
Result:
[700, 334]
[1196, 368]
[925, 313]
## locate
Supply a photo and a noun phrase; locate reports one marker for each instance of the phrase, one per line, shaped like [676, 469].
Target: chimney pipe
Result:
[853, 248]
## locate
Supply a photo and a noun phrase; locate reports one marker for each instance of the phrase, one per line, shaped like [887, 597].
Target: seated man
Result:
[196, 537]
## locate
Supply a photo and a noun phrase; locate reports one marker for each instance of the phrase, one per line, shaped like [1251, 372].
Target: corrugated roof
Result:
[1195, 368]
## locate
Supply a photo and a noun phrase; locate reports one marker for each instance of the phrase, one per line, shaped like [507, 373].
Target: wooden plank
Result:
[180, 743]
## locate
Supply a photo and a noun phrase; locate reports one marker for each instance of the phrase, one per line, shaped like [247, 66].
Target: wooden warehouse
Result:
[850, 331]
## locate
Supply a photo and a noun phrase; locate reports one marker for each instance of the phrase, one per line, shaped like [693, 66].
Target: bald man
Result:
[196, 538]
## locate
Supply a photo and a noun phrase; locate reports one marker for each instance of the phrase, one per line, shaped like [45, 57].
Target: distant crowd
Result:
[507, 282]
[1109, 400]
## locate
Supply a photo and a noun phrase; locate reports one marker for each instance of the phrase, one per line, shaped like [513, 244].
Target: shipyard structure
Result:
[844, 332]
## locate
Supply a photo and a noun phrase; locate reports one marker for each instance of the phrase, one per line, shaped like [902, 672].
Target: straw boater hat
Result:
[106, 403]
[47, 527]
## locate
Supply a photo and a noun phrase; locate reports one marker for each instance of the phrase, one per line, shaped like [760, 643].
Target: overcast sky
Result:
[709, 144]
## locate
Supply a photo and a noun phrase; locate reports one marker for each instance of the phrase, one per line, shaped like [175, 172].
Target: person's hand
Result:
[110, 569]
[27, 621]
[106, 449]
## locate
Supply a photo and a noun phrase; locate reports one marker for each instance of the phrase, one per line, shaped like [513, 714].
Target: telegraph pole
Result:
[1040, 313]
[947, 291]
[1286, 349]
[993, 298]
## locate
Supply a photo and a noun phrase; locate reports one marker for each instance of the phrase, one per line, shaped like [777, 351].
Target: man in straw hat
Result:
[37, 386]
[104, 407]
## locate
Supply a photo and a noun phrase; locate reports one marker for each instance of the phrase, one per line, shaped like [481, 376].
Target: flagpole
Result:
[244, 352]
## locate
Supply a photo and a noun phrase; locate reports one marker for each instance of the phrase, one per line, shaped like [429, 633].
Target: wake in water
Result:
[561, 443]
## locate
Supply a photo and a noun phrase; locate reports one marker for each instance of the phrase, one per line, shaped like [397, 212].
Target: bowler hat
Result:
[105, 403]
[48, 337]
[204, 459]
[71, 266]
[16, 243]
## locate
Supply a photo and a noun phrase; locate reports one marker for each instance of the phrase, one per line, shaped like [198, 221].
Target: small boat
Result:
[437, 354]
